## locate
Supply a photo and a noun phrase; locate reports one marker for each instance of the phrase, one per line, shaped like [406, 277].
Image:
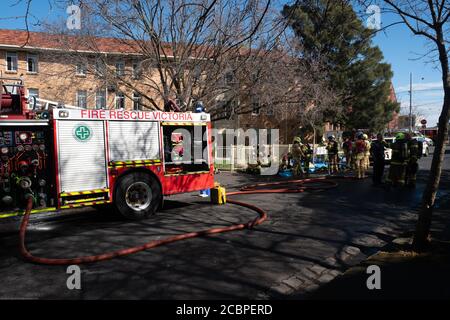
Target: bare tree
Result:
[186, 49]
[429, 19]
[225, 53]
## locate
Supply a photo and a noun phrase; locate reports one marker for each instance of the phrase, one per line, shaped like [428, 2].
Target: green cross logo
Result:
[82, 133]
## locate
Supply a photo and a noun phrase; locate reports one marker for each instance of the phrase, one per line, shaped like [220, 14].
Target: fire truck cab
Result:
[67, 158]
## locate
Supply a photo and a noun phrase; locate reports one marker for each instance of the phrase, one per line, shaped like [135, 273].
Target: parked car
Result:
[425, 145]
[429, 141]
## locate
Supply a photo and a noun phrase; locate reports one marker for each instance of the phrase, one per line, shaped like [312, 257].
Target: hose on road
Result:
[290, 186]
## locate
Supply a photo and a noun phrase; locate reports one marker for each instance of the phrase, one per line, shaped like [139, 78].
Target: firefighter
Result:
[360, 151]
[297, 155]
[332, 149]
[399, 160]
[366, 152]
[415, 153]
[347, 146]
[306, 158]
[377, 150]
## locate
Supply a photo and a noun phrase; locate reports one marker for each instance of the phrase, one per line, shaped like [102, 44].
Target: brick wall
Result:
[57, 80]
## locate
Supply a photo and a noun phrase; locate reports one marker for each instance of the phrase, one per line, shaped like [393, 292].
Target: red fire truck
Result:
[66, 157]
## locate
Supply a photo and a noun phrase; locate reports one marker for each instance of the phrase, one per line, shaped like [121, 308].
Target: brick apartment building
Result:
[50, 72]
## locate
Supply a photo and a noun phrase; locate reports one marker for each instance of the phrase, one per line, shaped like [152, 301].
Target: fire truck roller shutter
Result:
[133, 140]
[81, 160]
[138, 195]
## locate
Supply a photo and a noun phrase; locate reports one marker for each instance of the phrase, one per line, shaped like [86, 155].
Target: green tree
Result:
[331, 32]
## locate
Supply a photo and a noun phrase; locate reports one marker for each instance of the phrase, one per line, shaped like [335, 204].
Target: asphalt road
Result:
[308, 239]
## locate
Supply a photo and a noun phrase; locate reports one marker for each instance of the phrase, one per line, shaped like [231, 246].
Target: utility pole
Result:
[410, 103]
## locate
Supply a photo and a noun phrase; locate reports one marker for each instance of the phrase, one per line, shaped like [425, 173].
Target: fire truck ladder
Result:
[35, 103]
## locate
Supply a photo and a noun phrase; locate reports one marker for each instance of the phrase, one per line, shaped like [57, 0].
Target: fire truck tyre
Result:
[138, 195]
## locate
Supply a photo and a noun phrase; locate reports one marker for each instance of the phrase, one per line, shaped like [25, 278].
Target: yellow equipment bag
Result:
[218, 195]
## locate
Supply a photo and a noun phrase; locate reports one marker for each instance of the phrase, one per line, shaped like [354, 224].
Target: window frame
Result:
[137, 98]
[97, 96]
[119, 95]
[120, 72]
[100, 68]
[33, 95]
[256, 102]
[80, 67]
[12, 54]
[34, 57]
[78, 99]
[136, 70]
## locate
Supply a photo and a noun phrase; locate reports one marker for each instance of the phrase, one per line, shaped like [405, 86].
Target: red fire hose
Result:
[291, 186]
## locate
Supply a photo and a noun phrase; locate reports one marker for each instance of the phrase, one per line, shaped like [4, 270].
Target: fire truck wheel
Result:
[138, 195]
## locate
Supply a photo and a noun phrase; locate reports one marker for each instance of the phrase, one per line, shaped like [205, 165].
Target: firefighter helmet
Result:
[365, 136]
[400, 136]
[297, 140]
[332, 137]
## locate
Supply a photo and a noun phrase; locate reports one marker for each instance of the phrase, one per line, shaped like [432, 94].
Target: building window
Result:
[80, 69]
[11, 61]
[100, 68]
[255, 107]
[120, 68]
[137, 72]
[120, 100]
[82, 99]
[229, 78]
[33, 92]
[269, 110]
[100, 99]
[32, 63]
[136, 101]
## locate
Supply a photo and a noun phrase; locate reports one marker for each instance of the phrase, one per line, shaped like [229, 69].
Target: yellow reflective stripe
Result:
[114, 163]
[12, 214]
[86, 204]
[84, 200]
[80, 193]
[187, 173]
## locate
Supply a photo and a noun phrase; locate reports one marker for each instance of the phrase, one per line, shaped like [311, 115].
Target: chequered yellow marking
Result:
[12, 214]
[86, 204]
[83, 200]
[137, 163]
[81, 193]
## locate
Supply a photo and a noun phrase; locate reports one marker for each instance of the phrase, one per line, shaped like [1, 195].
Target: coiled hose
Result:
[291, 186]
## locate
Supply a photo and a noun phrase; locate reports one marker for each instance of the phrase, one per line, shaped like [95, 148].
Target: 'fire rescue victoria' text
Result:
[135, 115]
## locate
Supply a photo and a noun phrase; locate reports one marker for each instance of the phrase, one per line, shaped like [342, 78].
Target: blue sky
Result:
[400, 48]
